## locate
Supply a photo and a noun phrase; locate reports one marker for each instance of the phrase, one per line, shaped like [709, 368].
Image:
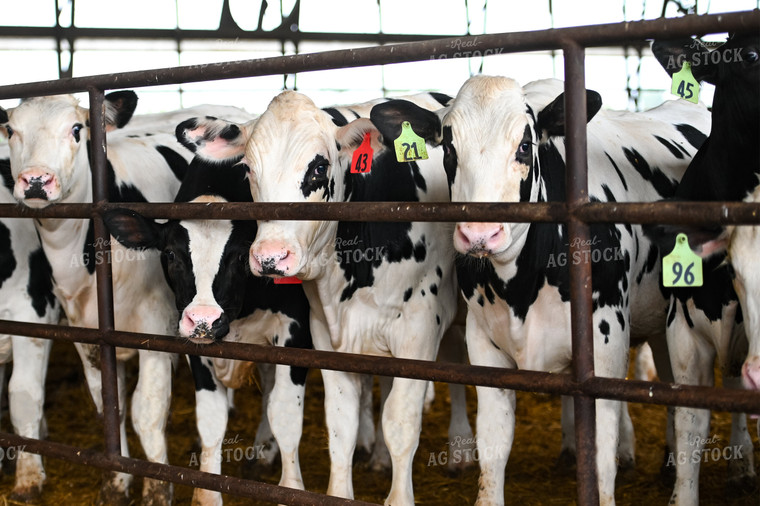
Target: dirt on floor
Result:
[532, 477]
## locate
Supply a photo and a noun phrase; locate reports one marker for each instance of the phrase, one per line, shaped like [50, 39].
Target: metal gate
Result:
[576, 211]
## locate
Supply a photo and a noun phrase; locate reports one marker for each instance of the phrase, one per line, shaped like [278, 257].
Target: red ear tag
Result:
[290, 280]
[361, 162]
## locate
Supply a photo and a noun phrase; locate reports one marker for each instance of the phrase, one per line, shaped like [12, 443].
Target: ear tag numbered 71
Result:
[684, 85]
[682, 267]
[409, 146]
[361, 162]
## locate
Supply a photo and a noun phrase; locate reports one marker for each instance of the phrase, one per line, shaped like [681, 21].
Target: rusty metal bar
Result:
[686, 213]
[587, 36]
[181, 475]
[581, 308]
[110, 389]
[523, 380]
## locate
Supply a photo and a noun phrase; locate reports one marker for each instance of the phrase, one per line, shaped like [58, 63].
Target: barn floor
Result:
[530, 470]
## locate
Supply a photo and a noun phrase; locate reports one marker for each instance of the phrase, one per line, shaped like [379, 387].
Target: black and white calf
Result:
[48, 139]
[504, 143]
[206, 264]
[26, 294]
[708, 322]
[375, 288]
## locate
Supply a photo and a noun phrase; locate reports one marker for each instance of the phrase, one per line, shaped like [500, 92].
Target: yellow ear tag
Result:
[684, 85]
[409, 146]
[682, 267]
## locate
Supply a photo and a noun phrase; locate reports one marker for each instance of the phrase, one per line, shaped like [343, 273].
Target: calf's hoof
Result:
[157, 493]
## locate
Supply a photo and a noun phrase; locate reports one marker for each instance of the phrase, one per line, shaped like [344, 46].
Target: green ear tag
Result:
[684, 85]
[409, 146]
[682, 267]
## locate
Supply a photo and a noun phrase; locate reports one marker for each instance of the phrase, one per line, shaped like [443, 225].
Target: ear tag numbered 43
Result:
[684, 85]
[361, 162]
[682, 267]
[409, 146]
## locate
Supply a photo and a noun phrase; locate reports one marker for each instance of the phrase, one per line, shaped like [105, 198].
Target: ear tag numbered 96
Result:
[684, 85]
[682, 267]
[361, 162]
[409, 146]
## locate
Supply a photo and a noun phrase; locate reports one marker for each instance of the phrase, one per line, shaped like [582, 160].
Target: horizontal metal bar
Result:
[587, 36]
[221, 33]
[176, 474]
[688, 213]
[523, 380]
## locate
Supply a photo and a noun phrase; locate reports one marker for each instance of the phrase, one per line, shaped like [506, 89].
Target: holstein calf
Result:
[505, 143]
[49, 139]
[375, 288]
[26, 294]
[708, 321]
[206, 264]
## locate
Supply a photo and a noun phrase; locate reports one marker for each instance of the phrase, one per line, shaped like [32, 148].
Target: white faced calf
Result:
[504, 143]
[48, 139]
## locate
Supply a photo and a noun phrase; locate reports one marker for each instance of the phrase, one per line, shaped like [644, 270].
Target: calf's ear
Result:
[213, 139]
[551, 119]
[674, 52]
[120, 106]
[389, 116]
[350, 137]
[133, 230]
[705, 242]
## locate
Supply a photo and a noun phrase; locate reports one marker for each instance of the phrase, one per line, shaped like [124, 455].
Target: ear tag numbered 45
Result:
[682, 267]
[361, 162]
[684, 85]
[409, 146]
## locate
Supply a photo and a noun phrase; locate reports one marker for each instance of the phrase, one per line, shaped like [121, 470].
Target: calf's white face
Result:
[48, 137]
[488, 137]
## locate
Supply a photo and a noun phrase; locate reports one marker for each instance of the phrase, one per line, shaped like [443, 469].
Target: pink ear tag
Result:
[290, 280]
[361, 163]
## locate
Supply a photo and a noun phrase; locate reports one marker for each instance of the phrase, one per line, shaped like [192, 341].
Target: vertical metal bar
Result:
[580, 272]
[110, 390]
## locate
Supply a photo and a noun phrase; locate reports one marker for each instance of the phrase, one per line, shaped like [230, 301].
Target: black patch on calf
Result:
[407, 294]
[7, 259]
[40, 285]
[389, 181]
[449, 156]
[202, 375]
[662, 184]
[620, 319]
[691, 134]
[676, 150]
[604, 328]
[434, 289]
[176, 162]
[5, 172]
[336, 116]
[617, 170]
[441, 98]
[315, 178]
